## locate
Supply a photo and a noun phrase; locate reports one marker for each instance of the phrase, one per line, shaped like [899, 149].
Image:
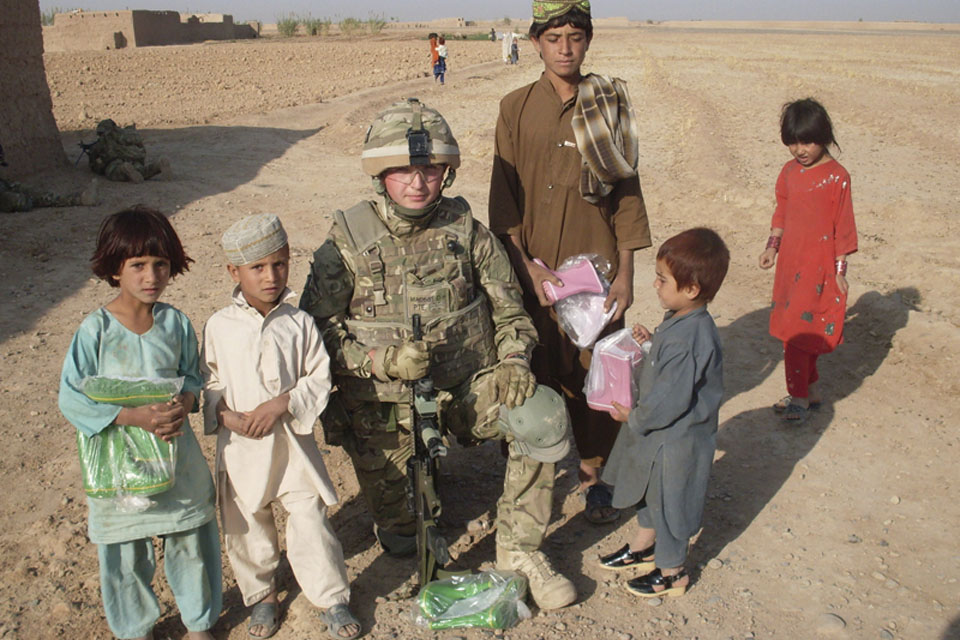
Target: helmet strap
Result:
[406, 213]
[412, 215]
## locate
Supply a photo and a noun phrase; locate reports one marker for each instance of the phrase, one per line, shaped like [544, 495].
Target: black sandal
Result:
[644, 585]
[600, 509]
[624, 559]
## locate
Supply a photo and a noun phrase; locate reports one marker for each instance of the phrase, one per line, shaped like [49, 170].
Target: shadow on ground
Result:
[40, 261]
[759, 450]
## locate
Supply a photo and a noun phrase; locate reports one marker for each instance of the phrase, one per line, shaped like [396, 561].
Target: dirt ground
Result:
[843, 527]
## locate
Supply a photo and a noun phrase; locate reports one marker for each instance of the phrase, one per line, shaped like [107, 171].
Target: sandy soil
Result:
[843, 527]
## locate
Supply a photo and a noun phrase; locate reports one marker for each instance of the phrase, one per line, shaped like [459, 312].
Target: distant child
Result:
[433, 37]
[662, 457]
[813, 230]
[515, 51]
[440, 66]
[136, 336]
[267, 378]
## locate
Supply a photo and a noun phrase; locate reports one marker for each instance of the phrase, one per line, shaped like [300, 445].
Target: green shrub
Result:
[287, 25]
[46, 17]
[316, 26]
[376, 23]
[349, 26]
[467, 36]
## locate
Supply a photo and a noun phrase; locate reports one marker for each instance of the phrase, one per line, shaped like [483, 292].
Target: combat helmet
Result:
[408, 133]
[106, 126]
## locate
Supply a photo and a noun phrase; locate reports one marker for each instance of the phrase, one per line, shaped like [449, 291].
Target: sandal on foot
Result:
[644, 586]
[624, 559]
[795, 413]
[600, 509]
[337, 618]
[781, 405]
[264, 614]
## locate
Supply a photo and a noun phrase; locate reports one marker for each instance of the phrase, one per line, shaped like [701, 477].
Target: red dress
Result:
[815, 211]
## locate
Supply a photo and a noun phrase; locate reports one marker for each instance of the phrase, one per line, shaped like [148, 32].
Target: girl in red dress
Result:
[811, 235]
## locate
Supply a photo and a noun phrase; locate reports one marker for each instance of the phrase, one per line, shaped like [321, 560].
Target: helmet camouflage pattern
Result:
[408, 133]
[106, 126]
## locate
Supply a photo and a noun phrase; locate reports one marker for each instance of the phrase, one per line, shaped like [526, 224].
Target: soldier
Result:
[118, 154]
[15, 197]
[414, 251]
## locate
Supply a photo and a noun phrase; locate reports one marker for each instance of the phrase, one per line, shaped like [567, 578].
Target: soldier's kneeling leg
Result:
[379, 459]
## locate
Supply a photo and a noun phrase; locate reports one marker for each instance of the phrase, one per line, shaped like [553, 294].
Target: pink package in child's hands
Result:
[580, 277]
[610, 378]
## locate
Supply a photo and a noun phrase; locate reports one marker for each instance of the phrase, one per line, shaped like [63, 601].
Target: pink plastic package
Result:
[579, 277]
[581, 314]
[611, 375]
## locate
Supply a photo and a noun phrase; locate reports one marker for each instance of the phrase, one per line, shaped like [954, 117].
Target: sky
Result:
[412, 10]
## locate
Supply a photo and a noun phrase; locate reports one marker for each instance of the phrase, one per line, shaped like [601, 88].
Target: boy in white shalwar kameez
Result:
[266, 380]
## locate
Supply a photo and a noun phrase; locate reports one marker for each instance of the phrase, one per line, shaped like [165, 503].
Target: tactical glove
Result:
[408, 361]
[515, 382]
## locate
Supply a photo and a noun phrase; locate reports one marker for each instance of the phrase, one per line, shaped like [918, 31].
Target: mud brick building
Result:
[99, 30]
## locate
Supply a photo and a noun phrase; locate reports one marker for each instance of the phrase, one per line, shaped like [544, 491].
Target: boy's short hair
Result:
[806, 121]
[697, 257]
[574, 17]
[137, 231]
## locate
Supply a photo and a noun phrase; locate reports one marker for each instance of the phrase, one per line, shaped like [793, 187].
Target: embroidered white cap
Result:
[252, 238]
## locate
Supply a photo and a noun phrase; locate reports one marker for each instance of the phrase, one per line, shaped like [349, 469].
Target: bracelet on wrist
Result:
[841, 267]
[773, 242]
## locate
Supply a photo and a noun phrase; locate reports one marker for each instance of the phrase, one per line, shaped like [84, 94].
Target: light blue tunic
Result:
[103, 346]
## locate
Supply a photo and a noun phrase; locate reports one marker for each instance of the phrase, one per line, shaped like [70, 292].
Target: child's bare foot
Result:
[643, 539]
[340, 621]
[199, 635]
[264, 617]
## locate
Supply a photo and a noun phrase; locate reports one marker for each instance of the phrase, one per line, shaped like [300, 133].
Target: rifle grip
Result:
[417, 327]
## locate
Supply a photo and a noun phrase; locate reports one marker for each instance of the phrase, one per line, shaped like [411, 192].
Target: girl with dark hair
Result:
[811, 235]
[137, 336]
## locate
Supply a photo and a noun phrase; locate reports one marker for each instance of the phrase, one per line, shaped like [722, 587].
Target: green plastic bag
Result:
[126, 462]
[489, 600]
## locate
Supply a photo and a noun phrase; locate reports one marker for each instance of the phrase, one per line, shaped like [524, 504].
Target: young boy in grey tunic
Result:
[661, 461]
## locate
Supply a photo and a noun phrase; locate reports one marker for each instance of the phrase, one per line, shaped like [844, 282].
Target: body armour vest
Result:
[430, 273]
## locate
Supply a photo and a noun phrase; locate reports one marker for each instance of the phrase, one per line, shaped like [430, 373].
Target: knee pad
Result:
[540, 426]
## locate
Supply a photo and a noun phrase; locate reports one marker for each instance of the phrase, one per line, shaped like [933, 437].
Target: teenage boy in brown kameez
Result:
[540, 210]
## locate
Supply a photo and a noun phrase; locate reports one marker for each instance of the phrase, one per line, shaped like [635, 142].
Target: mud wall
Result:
[28, 131]
[99, 30]
[89, 31]
[208, 27]
[154, 28]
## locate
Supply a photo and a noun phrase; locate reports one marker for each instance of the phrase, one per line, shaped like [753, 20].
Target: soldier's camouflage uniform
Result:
[14, 197]
[373, 273]
[118, 145]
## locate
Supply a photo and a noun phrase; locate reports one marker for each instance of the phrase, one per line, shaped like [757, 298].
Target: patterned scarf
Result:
[606, 132]
[546, 11]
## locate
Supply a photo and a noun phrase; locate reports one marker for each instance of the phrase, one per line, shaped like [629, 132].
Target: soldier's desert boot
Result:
[89, 197]
[131, 173]
[549, 589]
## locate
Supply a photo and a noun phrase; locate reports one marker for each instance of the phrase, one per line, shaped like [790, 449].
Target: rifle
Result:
[422, 473]
[84, 150]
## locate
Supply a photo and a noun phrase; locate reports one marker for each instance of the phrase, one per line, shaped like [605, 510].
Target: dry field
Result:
[838, 528]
